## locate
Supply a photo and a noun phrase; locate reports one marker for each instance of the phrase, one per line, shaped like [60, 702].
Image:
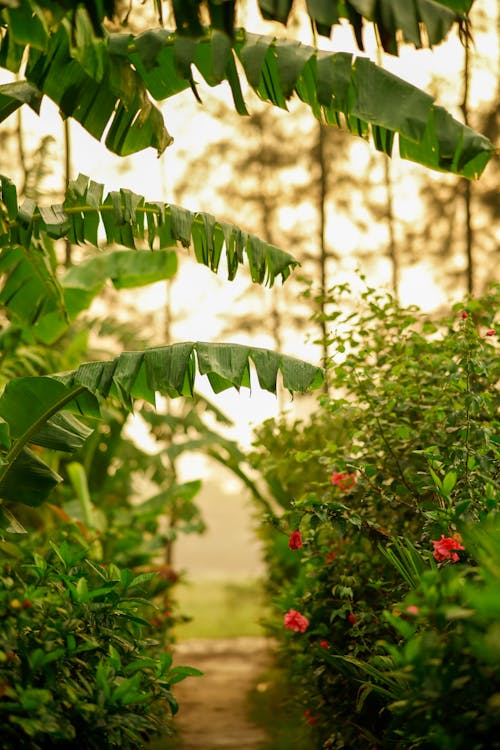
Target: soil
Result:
[213, 712]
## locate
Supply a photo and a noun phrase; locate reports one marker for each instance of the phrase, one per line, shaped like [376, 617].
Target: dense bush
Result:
[440, 684]
[80, 663]
[406, 447]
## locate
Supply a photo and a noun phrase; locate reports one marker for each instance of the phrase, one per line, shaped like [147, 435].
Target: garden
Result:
[375, 507]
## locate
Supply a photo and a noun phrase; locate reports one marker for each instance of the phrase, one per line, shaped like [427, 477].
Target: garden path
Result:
[213, 711]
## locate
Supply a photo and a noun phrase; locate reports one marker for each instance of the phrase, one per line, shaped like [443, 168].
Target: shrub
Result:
[409, 450]
[440, 683]
[79, 665]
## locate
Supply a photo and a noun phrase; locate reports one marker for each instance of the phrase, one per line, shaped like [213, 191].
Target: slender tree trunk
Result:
[389, 215]
[67, 177]
[389, 209]
[323, 252]
[267, 216]
[466, 184]
[21, 151]
[171, 519]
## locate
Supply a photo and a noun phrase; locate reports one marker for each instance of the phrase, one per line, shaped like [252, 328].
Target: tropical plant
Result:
[440, 683]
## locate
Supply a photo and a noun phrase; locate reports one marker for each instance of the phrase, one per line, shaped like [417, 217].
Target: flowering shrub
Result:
[343, 482]
[410, 431]
[440, 684]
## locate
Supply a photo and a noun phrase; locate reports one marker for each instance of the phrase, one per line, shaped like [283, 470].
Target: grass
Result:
[270, 707]
[220, 609]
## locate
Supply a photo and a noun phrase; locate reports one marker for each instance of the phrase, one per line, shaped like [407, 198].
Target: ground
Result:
[213, 711]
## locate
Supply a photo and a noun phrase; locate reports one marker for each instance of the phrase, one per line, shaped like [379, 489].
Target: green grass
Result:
[220, 609]
[271, 708]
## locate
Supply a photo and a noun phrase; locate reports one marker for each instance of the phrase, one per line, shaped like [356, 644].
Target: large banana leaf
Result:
[420, 22]
[34, 410]
[104, 83]
[341, 89]
[31, 289]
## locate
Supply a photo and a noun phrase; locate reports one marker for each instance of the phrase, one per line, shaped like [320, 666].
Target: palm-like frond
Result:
[34, 410]
[31, 289]
[115, 76]
[342, 90]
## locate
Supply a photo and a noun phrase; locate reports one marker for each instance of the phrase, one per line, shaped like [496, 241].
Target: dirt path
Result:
[213, 711]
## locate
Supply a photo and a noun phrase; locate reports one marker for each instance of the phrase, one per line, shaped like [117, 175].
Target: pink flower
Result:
[295, 621]
[325, 645]
[295, 541]
[444, 548]
[352, 618]
[412, 609]
[491, 332]
[344, 482]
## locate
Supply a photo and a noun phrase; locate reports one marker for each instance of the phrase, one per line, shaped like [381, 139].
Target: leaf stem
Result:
[25, 438]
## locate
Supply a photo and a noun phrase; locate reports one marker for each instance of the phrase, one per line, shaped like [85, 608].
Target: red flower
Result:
[344, 482]
[352, 618]
[325, 645]
[445, 548]
[311, 720]
[295, 541]
[464, 314]
[331, 557]
[491, 333]
[295, 621]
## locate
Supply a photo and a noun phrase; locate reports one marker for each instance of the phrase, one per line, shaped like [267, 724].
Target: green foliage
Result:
[31, 407]
[33, 291]
[78, 662]
[115, 74]
[433, 18]
[441, 681]
[406, 448]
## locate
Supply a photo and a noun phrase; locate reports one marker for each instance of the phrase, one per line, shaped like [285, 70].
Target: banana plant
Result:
[41, 411]
[117, 76]
[32, 291]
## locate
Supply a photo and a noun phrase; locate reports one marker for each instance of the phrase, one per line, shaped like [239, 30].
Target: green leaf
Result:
[177, 674]
[171, 370]
[29, 405]
[14, 95]
[116, 102]
[332, 84]
[449, 482]
[62, 432]
[27, 479]
[26, 405]
[125, 269]
[31, 290]
[27, 24]
[9, 522]
[422, 23]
